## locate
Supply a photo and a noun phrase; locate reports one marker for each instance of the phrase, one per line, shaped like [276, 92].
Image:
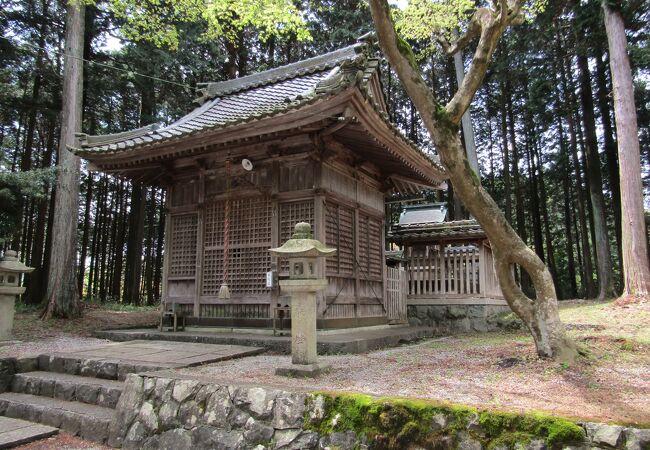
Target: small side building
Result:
[449, 268]
[309, 141]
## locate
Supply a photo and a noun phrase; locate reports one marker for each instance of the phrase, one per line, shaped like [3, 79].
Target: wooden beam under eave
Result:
[371, 121]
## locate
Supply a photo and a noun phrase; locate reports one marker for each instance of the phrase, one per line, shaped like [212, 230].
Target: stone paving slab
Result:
[162, 354]
[14, 432]
[356, 340]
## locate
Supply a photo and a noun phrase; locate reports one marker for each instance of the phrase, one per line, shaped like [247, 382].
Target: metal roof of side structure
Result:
[429, 213]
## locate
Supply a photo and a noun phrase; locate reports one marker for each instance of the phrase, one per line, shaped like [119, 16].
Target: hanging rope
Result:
[224, 292]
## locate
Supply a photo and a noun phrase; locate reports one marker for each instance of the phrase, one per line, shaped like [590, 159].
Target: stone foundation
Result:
[162, 411]
[450, 319]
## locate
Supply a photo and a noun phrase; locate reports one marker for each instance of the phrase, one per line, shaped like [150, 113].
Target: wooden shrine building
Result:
[309, 141]
[446, 262]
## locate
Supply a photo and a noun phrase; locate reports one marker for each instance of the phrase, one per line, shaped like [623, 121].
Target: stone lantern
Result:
[10, 271]
[302, 252]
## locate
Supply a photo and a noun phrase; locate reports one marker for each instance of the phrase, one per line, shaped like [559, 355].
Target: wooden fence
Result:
[447, 270]
[396, 290]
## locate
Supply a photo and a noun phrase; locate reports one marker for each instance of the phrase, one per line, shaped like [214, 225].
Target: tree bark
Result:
[133, 273]
[610, 145]
[62, 297]
[636, 272]
[595, 180]
[85, 235]
[466, 121]
[442, 122]
[506, 154]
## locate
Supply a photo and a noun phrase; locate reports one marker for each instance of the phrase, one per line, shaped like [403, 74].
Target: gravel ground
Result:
[491, 370]
[37, 336]
[62, 441]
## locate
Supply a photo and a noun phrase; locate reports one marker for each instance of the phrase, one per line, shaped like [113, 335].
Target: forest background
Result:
[546, 101]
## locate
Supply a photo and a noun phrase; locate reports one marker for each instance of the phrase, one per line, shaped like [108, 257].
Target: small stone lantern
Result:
[302, 252]
[10, 271]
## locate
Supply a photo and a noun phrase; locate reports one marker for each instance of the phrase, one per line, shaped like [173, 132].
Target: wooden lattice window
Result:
[370, 244]
[290, 214]
[182, 244]
[339, 233]
[250, 239]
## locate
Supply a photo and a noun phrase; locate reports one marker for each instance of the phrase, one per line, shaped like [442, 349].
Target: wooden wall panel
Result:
[296, 177]
[335, 181]
[184, 194]
[370, 197]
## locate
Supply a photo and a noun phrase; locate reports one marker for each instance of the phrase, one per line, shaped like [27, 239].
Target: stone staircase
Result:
[78, 391]
[77, 396]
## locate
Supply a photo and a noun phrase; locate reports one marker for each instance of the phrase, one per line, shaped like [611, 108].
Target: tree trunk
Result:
[636, 272]
[133, 273]
[595, 180]
[506, 154]
[85, 234]
[62, 297]
[540, 315]
[34, 293]
[610, 146]
[466, 122]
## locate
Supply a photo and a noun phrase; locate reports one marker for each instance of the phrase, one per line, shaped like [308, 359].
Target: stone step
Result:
[90, 422]
[107, 369]
[93, 391]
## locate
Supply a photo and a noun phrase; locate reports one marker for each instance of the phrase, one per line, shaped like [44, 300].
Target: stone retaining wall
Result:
[162, 411]
[448, 319]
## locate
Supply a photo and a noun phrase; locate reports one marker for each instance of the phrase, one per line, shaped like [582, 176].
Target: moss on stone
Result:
[392, 423]
[554, 430]
[509, 440]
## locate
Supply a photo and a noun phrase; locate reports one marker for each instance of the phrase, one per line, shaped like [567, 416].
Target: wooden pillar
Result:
[200, 232]
[166, 247]
[275, 229]
[355, 239]
[320, 234]
[384, 268]
[482, 269]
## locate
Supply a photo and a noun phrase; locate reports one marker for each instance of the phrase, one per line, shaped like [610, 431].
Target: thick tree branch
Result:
[489, 24]
[401, 58]
[474, 78]
[541, 314]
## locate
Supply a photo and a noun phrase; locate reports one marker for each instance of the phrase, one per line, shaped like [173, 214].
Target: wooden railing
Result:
[451, 270]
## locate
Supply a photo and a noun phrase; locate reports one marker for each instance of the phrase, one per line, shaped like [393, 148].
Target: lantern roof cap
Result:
[302, 244]
[10, 263]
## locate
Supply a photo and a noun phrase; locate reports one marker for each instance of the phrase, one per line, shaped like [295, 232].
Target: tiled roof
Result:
[460, 229]
[231, 102]
[277, 91]
[293, 70]
[219, 112]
